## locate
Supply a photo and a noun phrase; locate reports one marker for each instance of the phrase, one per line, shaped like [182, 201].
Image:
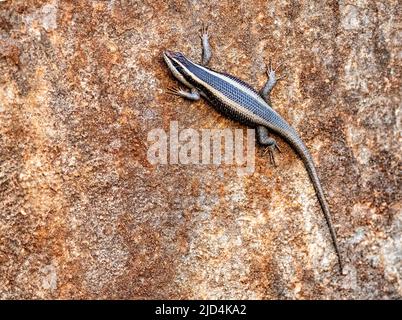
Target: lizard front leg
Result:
[194, 95]
[206, 48]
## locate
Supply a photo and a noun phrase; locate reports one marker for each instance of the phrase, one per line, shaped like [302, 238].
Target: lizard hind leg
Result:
[270, 143]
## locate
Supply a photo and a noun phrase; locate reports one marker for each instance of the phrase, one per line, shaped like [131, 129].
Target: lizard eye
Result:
[173, 54]
[178, 56]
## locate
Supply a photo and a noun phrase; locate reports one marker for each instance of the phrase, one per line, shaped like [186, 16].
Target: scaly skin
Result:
[239, 101]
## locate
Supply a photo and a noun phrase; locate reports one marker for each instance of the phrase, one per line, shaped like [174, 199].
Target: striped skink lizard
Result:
[239, 101]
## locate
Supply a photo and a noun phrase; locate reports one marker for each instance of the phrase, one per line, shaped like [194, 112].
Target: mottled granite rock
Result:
[83, 214]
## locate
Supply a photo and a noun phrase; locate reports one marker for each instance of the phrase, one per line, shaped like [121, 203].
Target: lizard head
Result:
[177, 63]
[174, 55]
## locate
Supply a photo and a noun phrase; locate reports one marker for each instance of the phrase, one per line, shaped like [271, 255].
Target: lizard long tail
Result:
[309, 164]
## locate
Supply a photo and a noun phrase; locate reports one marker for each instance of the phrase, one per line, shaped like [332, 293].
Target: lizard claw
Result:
[204, 31]
[277, 148]
[174, 91]
[270, 149]
[205, 27]
[271, 71]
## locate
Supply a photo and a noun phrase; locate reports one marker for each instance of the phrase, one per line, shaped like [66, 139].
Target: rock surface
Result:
[83, 214]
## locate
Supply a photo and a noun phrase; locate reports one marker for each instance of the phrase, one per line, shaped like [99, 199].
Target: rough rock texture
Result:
[83, 214]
